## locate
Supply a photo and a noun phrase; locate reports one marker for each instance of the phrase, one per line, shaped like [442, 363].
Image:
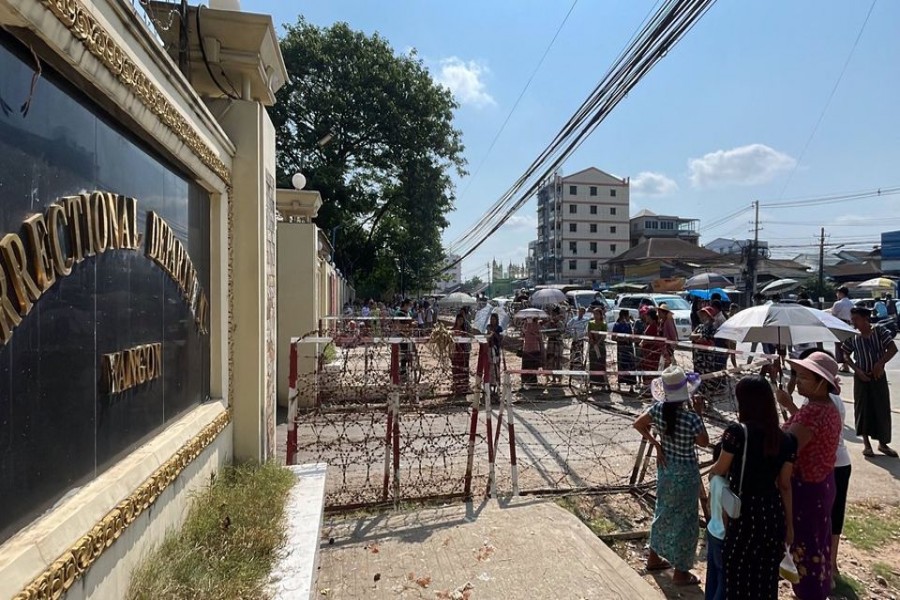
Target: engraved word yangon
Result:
[132, 367]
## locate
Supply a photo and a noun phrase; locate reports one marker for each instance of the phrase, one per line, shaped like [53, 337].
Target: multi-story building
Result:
[647, 225]
[582, 223]
[452, 277]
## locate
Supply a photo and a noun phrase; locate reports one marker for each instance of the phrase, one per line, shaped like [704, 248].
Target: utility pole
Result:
[753, 257]
[183, 39]
[822, 269]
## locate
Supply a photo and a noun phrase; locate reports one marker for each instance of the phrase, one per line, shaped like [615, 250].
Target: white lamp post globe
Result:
[298, 181]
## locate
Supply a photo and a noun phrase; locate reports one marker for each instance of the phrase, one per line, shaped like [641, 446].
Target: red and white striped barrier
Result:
[291, 452]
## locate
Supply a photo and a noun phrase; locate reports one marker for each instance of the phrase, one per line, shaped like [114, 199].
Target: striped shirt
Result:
[868, 350]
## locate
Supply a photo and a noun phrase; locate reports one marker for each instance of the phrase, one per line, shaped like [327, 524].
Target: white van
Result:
[680, 308]
[584, 298]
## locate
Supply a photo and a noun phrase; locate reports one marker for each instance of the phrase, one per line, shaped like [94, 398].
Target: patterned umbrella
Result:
[882, 284]
[547, 297]
[706, 281]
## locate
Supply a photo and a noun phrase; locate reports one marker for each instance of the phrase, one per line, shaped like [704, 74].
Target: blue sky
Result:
[723, 120]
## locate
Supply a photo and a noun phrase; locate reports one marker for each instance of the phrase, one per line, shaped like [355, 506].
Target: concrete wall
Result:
[34, 548]
[309, 288]
[249, 126]
[232, 160]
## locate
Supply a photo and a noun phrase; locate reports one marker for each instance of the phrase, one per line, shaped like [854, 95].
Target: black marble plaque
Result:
[58, 427]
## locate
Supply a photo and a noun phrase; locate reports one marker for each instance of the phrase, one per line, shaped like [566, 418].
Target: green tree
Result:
[374, 134]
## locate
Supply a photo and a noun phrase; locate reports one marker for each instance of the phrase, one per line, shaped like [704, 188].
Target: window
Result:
[594, 247]
[629, 302]
[573, 227]
[593, 209]
[612, 193]
[593, 228]
[573, 265]
[593, 265]
[573, 247]
[593, 190]
[612, 229]
[667, 225]
[612, 248]
[612, 209]
[573, 208]
[573, 189]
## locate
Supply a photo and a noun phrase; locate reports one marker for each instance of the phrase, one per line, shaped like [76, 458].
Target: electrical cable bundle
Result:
[649, 45]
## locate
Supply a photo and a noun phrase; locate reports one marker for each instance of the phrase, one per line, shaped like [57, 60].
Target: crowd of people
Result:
[777, 492]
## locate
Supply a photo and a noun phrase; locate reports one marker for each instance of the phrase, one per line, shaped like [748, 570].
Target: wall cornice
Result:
[85, 28]
[72, 565]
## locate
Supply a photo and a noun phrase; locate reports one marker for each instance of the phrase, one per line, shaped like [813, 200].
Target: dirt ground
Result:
[870, 569]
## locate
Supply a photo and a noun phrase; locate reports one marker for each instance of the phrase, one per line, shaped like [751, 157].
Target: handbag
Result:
[731, 502]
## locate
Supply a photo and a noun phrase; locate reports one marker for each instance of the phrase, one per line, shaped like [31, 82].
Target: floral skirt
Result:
[812, 536]
[673, 534]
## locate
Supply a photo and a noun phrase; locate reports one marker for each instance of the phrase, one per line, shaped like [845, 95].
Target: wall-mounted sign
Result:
[168, 252]
[77, 227]
[132, 367]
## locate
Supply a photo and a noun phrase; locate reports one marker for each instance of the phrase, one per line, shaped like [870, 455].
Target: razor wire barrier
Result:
[415, 417]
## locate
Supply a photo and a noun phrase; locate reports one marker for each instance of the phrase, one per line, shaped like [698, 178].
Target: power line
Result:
[834, 198]
[519, 99]
[664, 30]
[837, 83]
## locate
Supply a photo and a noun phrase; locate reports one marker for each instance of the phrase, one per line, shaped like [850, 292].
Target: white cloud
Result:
[653, 184]
[746, 165]
[521, 222]
[465, 80]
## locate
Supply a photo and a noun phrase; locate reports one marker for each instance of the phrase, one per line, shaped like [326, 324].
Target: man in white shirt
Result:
[841, 309]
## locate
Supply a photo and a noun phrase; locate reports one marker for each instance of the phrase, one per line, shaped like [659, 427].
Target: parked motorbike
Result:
[889, 323]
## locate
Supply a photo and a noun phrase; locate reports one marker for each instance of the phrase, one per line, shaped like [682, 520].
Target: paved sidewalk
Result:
[527, 549]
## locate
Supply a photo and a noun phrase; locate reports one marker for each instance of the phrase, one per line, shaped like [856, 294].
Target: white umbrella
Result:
[483, 316]
[878, 283]
[780, 285]
[531, 313]
[547, 297]
[459, 299]
[783, 324]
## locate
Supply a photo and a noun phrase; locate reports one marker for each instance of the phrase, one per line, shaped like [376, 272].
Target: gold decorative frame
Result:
[84, 27]
[56, 580]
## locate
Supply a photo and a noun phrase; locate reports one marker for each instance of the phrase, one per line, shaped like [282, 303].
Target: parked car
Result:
[681, 310]
[584, 298]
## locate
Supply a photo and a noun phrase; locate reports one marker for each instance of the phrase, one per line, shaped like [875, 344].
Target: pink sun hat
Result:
[822, 365]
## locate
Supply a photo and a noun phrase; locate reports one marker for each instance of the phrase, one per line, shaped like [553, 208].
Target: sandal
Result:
[868, 453]
[692, 580]
[661, 566]
[887, 451]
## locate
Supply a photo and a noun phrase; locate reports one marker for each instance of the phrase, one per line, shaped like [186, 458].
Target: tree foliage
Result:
[384, 175]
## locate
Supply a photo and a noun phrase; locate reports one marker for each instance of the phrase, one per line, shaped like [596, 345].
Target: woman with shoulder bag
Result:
[757, 458]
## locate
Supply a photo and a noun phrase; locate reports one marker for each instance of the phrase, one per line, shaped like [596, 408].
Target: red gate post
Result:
[388, 432]
[484, 365]
[473, 428]
[513, 468]
[396, 444]
[291, 451]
